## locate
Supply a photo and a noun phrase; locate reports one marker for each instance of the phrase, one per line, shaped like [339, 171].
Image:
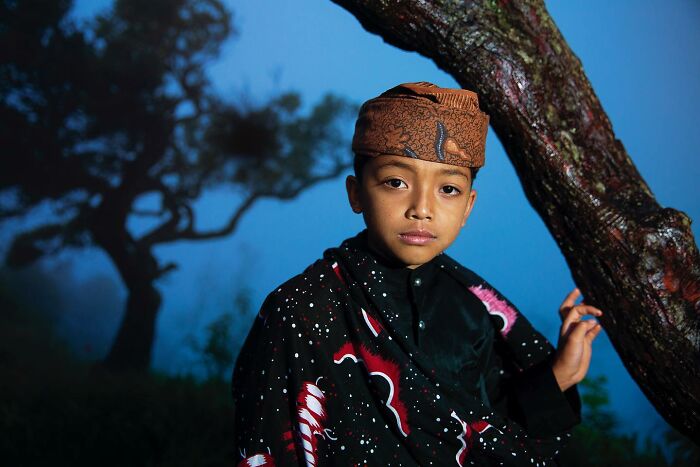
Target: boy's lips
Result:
[417, 237]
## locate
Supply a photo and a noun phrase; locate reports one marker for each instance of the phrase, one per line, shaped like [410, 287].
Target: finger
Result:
[593, 332]
[571, 316]
[570, 299]
[576, 313]
[583, 310]
[579, 330]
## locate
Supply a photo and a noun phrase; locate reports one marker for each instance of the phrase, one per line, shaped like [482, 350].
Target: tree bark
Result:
[629, 256]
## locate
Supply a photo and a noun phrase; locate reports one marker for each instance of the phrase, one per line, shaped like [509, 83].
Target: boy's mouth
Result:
[417, 237]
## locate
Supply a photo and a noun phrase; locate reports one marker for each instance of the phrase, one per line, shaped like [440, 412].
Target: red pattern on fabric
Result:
[374, 325]
[378, 365]
[465, 438]
[480, 425]
[336, 269]
[311, 418]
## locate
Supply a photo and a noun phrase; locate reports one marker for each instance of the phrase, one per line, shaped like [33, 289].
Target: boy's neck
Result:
[385, 260]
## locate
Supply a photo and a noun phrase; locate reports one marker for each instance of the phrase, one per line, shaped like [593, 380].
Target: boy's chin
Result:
[399, 254]
[415, 259]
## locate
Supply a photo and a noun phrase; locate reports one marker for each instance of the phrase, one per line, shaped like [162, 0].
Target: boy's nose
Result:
[420, 215]
[421, 207]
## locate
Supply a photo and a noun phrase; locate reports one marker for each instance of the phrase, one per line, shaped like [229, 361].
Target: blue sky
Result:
[641, 57]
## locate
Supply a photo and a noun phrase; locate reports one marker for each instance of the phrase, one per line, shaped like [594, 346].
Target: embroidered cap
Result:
[423, 121]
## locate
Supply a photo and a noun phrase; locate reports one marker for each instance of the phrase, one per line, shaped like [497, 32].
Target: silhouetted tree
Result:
[96, 117]
[630, 257]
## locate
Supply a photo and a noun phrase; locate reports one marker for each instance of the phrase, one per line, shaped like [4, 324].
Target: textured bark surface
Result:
[630, 257]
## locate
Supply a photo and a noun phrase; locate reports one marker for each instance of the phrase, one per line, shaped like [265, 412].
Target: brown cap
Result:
[423, 121]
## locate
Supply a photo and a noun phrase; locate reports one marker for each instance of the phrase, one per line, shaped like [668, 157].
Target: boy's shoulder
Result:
[311, 290]
[319, 276]
[455, 268]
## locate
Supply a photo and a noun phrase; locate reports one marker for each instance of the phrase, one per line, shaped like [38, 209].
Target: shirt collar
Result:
[397, 277]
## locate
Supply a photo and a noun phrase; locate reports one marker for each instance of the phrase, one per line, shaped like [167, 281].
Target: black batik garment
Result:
[331, 375]
[456, 331]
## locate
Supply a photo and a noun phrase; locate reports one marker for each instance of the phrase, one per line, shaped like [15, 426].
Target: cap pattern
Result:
[423, 121]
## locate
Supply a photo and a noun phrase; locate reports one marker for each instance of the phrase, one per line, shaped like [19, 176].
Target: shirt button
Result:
[421, 325]
[417, 281]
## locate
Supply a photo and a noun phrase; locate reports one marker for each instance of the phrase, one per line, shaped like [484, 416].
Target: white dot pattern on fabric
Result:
[343, 386]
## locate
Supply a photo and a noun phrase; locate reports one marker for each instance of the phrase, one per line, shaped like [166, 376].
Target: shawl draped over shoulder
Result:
[324, 378]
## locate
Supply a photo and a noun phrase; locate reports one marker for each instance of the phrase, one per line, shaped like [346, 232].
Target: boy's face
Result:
[413, 209]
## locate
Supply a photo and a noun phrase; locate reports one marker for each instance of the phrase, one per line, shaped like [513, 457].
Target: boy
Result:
[389, 352]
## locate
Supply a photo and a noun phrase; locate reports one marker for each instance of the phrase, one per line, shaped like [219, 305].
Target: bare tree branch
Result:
[93, 147]
[190, 234]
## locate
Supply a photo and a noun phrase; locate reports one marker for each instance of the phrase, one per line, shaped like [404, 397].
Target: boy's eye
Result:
[450, 190]
[395, 183]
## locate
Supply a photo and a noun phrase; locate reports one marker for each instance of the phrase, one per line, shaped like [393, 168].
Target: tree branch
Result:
[632, 258]
[188, 233]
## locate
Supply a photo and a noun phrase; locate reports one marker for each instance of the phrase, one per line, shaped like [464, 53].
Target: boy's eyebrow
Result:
[453, 172]
[402, 165]
[398, 164]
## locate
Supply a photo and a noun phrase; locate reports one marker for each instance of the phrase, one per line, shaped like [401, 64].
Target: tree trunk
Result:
[131, 350]
[138, 268]
[630, 257]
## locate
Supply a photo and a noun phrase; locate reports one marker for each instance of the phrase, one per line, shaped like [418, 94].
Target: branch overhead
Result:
[627, 254]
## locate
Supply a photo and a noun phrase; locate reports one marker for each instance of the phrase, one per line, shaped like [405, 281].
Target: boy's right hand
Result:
[576, 335]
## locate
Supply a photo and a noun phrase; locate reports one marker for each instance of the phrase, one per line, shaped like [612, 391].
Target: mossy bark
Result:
[630, 257]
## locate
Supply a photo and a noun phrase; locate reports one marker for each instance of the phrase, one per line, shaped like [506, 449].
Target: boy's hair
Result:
[360, 160]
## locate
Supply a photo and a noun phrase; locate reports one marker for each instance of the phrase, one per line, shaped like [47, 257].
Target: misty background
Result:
[641, 57]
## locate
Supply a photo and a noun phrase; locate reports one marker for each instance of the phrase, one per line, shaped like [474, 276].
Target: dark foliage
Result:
[56, 410]
[96, 117]
[598, 441]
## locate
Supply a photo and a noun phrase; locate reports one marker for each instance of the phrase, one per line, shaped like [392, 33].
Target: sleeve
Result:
[268, 378]
[534, 399]
[540, 405]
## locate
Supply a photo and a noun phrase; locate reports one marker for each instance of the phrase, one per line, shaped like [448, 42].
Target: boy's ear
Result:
[352, 185]
[470, 205]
